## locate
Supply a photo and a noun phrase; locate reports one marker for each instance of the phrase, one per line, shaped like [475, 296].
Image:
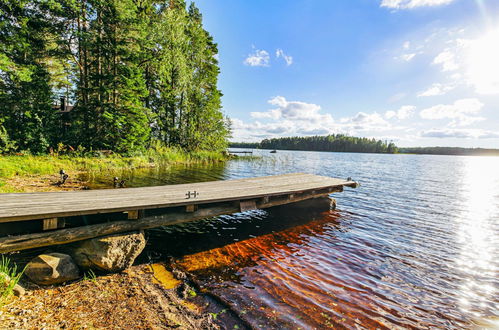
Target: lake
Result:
[415, 246]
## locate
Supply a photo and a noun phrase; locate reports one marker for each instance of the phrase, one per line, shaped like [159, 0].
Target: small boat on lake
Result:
[273, 151]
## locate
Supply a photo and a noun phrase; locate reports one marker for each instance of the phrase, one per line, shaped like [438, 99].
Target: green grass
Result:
[9, 277]
[29, 165]
[90, 276]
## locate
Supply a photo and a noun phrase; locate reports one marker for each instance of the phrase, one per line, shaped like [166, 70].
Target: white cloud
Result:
[258, 58]
[297, 118]
[459, 133]
[292, 110]
[436, 89]
[404, 112]
[287, 58]
[287, 118]
[406, 45]
[365, 122]
[407, 57]
[459, 112]
[447, 59]
[410, 4]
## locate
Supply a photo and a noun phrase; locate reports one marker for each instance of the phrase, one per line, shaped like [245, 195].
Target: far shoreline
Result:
[475, 152]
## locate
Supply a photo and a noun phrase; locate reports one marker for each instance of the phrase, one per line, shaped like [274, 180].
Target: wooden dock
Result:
[178, 203]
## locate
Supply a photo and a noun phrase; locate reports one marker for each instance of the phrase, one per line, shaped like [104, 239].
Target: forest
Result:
[117, 75]
[334, 142]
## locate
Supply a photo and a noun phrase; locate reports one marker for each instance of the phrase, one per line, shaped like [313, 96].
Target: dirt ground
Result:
[42, 183]
[142, 297]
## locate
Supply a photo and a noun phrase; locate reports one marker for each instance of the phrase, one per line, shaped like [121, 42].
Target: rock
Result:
[18, 290]
[52, 268]
[111, 253]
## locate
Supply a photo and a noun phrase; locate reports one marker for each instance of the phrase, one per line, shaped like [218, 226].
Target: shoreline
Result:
[27, 173]
[143, 296]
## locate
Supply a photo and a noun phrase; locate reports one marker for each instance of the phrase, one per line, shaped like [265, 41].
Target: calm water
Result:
[416, 245]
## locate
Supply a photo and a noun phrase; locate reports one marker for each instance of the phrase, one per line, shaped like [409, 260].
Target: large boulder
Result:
[52, 268]
[112, 253]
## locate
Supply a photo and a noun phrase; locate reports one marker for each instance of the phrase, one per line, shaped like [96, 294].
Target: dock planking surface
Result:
[32, 206]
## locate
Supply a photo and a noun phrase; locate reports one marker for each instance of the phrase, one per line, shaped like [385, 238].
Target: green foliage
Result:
[136, 71]
[6, 145]
[9, 277]
[90, 276]
[337, 143]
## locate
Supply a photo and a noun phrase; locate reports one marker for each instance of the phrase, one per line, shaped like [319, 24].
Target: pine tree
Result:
[136, 71]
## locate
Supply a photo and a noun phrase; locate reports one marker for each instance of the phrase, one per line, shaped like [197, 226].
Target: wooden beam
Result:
[191, 208]
[247, 205]
[133, 215]
[69, 235]
[49, 224]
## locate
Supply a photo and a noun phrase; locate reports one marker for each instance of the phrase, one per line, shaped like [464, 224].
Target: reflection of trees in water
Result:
[161, 175]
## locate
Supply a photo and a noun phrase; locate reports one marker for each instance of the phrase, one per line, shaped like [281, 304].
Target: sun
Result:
[483, 63]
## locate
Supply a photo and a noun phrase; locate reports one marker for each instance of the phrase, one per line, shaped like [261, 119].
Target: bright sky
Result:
[418, 72]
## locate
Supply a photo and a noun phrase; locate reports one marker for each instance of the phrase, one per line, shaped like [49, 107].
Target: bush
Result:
[6, 145]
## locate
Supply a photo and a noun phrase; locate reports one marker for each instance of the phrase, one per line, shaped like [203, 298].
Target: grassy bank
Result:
[29, 166]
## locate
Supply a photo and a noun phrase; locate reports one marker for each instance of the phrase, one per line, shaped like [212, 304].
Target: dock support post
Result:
[333, 203]
[53, 223]
[191, 208]
[135, 214]
[247, 205]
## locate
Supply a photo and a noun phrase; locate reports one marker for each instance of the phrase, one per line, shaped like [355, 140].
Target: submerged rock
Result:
[52, 268]
[112, 253]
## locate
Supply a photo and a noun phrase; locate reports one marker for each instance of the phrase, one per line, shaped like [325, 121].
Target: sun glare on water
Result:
[483, 62]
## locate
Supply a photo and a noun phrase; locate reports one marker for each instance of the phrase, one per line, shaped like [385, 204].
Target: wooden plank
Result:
[18, 207]
[69, 235]
[109, 195]
[139, 203]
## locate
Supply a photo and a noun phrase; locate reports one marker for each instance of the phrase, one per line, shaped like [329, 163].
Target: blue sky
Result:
[418, 72]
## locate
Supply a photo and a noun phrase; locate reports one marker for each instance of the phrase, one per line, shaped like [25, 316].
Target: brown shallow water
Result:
[416, 246]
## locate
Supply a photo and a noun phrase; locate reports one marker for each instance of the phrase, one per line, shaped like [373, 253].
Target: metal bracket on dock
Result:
[191, 194]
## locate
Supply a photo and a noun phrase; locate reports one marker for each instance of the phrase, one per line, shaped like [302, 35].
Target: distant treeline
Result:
[450, 151]
[337, 143]
[343, 143]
